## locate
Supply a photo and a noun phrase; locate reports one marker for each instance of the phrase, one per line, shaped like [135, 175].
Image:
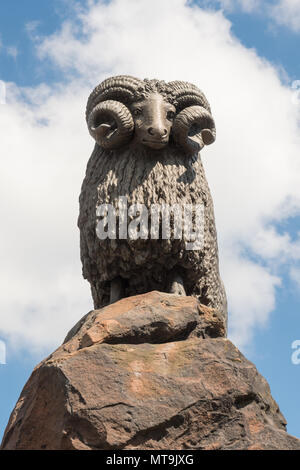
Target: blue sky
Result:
[51, 54]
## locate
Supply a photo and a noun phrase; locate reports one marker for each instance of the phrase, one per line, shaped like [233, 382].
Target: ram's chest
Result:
[146, 178]
[122, 193]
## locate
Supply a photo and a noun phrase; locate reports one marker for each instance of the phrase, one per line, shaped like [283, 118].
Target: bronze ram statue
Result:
[148, 137]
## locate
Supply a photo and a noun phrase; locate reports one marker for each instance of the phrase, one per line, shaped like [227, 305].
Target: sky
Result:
[244, 55]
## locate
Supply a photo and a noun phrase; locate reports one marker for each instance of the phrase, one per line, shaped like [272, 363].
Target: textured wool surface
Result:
[148, 177]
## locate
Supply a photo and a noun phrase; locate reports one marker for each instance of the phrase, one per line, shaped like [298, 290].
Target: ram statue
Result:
[148, 137]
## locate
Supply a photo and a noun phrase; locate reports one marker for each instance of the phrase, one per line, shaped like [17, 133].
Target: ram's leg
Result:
[214, 294]
[116, 290]
[176, 285]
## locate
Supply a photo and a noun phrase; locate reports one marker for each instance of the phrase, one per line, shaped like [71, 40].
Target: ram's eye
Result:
[170, 115]
[137, 112]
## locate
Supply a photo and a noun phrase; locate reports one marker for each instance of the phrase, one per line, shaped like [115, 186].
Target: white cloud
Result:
[271, 245]
[287, 13]
[281, 12]
[246, 5]
[252, 169]
[251, 296]
[42, 292]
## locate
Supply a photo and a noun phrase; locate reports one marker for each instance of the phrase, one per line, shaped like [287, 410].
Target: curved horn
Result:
[187, 94]
[193, 128]
[120, 88]
[108, 118]
[110, 123]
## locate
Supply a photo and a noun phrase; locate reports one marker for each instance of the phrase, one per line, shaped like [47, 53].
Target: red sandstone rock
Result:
[148, 372]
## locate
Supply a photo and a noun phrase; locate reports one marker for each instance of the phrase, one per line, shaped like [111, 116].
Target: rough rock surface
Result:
[148, 372]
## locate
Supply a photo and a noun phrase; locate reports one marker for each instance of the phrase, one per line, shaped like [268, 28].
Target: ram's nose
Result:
[157, 132]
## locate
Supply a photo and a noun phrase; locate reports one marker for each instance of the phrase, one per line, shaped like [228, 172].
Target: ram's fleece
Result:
[148, 139]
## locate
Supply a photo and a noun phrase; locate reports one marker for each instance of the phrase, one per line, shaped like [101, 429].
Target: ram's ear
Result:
[193, 128]
[110, 123]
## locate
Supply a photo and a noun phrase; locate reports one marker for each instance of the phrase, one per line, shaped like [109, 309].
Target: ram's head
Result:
[150, 113]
